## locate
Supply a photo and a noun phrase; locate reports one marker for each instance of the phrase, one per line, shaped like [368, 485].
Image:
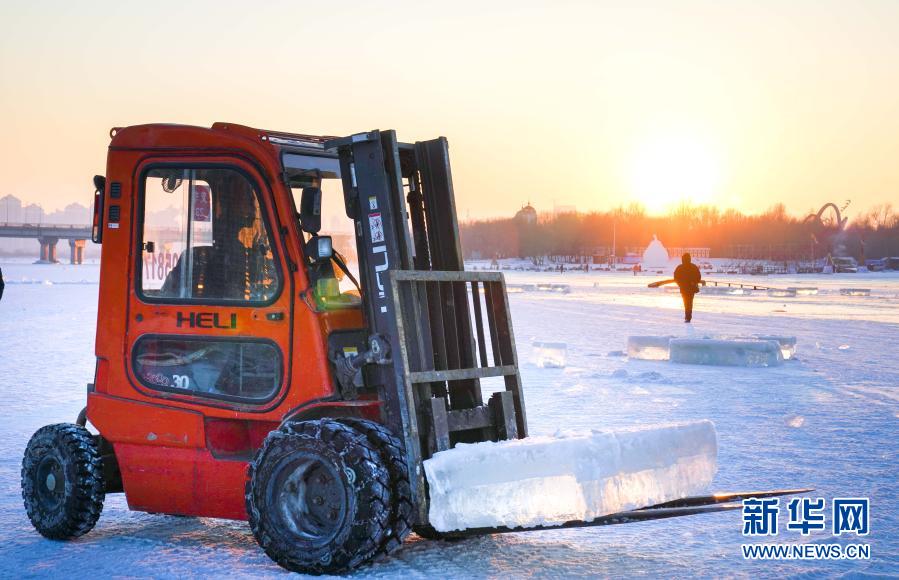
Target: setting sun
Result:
[669, 170]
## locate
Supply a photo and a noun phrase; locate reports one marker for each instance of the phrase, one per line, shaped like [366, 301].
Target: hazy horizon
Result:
[593, 105]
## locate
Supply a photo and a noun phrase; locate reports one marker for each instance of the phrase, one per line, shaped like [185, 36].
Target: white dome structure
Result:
[655, 255]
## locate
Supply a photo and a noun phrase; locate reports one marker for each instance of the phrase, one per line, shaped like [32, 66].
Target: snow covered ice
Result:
[828, 420]
[552, 480]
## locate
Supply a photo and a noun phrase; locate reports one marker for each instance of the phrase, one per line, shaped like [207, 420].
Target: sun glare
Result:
[668, 171]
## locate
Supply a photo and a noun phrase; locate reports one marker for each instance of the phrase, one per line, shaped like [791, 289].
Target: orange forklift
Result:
[285, 333]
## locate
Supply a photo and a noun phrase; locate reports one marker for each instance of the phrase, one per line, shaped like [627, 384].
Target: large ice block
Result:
[787, 343]
[723, 291]
[552, 480]
[648, 347]
[729, 352]
[550, 355]
[558, 288]
[713, 349]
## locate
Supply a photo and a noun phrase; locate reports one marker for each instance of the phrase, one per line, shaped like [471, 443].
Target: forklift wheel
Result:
[392, 455]
[62, 481]
[318, 497]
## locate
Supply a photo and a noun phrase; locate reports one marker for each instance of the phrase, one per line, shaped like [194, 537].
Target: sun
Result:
[668, 171]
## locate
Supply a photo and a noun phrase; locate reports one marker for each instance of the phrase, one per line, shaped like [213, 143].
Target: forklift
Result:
[250, 366]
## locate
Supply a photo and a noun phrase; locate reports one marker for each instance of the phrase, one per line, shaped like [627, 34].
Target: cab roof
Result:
[169, 135]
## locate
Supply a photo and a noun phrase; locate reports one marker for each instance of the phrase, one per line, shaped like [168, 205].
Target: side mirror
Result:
[97, 222]
[319, 248]
[311, 210]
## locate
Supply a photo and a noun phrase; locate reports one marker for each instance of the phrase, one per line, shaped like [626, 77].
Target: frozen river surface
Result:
[828, 419]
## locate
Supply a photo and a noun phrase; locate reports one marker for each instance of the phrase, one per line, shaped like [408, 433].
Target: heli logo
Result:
[206, 320]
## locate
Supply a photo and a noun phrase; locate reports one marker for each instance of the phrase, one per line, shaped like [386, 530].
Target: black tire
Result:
[318, 497]
[401, 506]
[62, 481]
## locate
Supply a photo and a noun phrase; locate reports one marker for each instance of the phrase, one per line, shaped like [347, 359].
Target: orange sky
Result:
[591, 104]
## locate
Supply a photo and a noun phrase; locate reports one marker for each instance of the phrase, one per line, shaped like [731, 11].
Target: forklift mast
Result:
[434, 330]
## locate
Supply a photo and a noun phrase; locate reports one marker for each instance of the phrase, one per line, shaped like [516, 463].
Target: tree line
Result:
[874, 234]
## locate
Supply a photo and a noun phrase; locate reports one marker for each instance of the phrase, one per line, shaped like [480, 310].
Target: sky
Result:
[587, 104]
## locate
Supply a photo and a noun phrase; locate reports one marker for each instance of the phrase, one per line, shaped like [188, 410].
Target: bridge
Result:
[48, 235]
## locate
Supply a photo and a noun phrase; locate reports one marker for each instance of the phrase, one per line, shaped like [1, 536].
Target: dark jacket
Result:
[687, 276]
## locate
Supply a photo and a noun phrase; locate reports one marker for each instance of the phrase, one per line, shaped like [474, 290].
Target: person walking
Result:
[2, 284]
[688, 278]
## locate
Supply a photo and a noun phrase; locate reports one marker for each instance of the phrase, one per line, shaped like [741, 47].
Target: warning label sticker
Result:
[376, 226]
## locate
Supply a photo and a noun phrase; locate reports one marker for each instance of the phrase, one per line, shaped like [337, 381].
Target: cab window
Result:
[324, 173]
[205, 239]
[237, 369]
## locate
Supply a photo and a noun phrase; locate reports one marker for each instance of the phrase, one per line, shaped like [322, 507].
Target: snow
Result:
[725, 352]
[829, 420]
[551, 480]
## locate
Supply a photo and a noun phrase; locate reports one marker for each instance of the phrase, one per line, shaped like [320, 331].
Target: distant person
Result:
[688, 277]
[2, 284]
